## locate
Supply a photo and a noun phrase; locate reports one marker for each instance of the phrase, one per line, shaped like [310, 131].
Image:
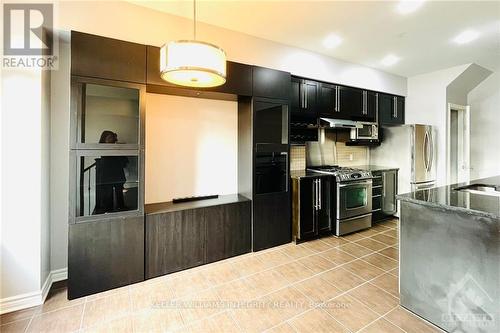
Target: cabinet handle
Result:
[319, 193]
[383, 184]
[395, 108]
[376, 106]
[305, 96]
[365, 97]
[336, 94]
[314, 194]
[338, 99]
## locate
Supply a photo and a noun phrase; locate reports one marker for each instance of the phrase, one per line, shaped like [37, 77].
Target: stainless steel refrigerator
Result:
[423, 164]
[411, 148]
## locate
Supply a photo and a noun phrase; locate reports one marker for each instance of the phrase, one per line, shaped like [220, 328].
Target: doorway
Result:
[458, 145]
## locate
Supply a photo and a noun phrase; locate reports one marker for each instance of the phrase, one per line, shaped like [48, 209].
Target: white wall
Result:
[130, 22]
[484, 101]
[45, 177]
[426, 103]
[191, 147]
[59, 158]
[22, 210]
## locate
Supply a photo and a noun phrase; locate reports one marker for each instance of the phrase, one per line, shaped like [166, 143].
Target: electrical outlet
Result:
[351, 157]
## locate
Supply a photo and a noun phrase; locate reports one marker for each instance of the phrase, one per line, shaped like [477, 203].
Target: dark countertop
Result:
[469, 203]
[306, 173]
[370, 167]
[167, 207]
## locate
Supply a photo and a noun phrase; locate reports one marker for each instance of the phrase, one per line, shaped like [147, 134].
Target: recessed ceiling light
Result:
[332, 41]
[466, 37]
[390, 60]
[409, 6]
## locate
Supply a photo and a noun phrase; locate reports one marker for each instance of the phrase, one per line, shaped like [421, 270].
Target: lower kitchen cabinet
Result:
[271, 220]
[105, 254]
[180, 239]
[384, 190]
[228, 230]
[311, 212]
[174, 241]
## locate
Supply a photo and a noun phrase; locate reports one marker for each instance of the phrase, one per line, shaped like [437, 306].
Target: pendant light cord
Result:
[194, 19]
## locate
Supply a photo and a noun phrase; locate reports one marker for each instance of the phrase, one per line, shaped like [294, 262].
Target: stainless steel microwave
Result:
[365, 131]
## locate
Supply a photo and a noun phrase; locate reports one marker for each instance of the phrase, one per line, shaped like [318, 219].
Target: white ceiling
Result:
[370, 30]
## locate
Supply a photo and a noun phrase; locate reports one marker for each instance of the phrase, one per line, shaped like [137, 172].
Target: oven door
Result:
[354, 199]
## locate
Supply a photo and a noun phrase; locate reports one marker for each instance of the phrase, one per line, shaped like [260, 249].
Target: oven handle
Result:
[355, 217]
[368, 182]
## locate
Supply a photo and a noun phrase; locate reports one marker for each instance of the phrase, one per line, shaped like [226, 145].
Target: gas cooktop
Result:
[343, 174]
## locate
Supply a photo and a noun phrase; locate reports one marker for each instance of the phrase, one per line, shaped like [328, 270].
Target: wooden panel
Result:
[238, 229]
[163, 248]
[174, 241]
[107, 58]
[271, 83]
[105, 254]
[216, 234]
[239, 76]
[183, 239]
[271, 220]
[307, 202]
[193, 238]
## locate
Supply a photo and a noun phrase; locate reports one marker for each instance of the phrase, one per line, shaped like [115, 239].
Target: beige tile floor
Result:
[346, 284]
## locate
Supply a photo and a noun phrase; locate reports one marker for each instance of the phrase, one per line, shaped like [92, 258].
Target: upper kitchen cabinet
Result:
[107, 58]
[341, 102]
[350, 102]
[304, 98]
[371, 106]
[391, 109]
[271, 83]
[328, 102]
[238, 77]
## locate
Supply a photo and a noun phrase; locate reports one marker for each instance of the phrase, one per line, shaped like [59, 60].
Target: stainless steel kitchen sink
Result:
[492, 190]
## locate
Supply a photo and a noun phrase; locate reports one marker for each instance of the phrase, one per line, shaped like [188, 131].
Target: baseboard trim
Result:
[29, 300]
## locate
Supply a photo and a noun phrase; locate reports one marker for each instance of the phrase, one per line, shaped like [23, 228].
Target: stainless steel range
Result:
[352, 197]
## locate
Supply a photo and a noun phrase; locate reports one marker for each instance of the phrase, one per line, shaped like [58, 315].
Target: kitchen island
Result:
[450, 255]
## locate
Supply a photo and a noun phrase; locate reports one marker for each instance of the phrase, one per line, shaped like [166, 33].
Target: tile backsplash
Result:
[351, 155]
[297, 158]
[346, 155]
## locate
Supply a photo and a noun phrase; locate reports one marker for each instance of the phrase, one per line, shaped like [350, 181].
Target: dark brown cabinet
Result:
[238, 78]
[271, 220]
[371, 106]
[350, 102]
[107, 58]
[228, 231]
[391, 109]
[312, 210]
[329, 103]
[384, 190]
[271, 83]
[180, 239]
[105, 254]
[304, 97]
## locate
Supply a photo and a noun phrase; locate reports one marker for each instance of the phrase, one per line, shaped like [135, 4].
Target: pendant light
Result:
[193, 63]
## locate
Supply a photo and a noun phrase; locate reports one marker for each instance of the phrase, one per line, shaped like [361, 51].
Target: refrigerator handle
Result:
[431, 149]
[425, 151]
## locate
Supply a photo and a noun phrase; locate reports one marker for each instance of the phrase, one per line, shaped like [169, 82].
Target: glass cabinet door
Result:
[108, 114]
[107, 183]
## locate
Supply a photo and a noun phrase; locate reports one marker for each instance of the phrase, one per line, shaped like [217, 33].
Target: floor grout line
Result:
[258, 256]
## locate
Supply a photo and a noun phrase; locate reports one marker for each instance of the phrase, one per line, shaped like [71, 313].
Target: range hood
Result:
[338, 123]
